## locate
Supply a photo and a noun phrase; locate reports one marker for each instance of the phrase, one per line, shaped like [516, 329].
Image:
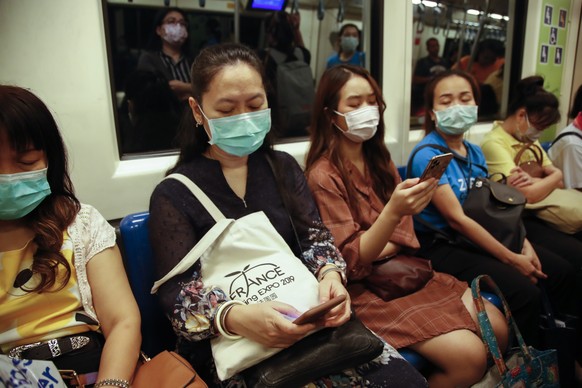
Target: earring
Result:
[198, 124]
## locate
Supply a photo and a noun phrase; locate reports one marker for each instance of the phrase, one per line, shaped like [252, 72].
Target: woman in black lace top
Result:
[224, 151]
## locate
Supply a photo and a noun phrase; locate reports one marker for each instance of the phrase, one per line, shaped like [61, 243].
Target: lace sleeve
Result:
[100, 235]
[189, 304]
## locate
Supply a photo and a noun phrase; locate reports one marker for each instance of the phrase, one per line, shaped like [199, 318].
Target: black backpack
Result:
[295, 90]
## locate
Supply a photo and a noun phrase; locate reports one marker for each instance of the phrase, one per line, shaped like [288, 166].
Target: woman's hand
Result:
[266, 324]
[528, 263]
[330, 287]
[411, 196]
[519, 178]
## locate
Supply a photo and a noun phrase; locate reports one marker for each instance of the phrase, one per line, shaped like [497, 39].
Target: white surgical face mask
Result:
[174, 33]
[531, 134]
[362, 123]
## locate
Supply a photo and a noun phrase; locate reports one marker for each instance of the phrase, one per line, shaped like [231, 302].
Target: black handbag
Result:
[498, 208]
[495, 206]
[320, 354]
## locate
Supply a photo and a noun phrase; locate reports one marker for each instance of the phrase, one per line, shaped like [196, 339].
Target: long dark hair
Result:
[325, 137]
[429, 124]
[542, 107]
[27, 122]
[281, 30]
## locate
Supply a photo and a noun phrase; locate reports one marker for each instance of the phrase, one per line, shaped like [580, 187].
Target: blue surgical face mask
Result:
[240, 134]
[21, 193]
[349, 43]
[457, 119]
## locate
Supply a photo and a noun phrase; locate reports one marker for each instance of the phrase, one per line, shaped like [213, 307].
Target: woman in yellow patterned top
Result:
[63, 287]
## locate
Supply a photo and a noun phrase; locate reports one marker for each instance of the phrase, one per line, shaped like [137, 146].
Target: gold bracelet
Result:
[115, 382]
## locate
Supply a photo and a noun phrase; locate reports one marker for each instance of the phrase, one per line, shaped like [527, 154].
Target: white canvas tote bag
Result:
[250, 261]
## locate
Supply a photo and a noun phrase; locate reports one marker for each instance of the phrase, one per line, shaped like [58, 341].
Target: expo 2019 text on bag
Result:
[247, 272]
[522, 366]
[252, 263]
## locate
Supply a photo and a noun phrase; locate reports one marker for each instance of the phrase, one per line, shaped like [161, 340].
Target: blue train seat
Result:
[157, 333]
[402, 172]
[546, 145]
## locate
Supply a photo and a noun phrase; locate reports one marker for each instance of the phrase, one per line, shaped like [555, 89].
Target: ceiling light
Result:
[430, 4]
[473, 12]
[415, 2]
[495, 16]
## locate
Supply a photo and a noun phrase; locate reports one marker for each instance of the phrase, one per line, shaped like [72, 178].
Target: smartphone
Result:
[317, 312]
[436, 166]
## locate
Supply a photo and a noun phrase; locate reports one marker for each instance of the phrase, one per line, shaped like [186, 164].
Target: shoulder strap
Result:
[444, 150]
[534, 149]
[271, 164]
[199, 194]
[561, 135]
[206, 241]
[196, 252]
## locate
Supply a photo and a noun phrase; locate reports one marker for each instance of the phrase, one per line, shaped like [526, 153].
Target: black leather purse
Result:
[320, 354]
[498, 208]
[495, 206]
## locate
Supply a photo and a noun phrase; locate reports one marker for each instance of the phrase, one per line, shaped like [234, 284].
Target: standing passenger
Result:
[368, 210]
[350, 51]
[224, 151]
[451, 109]
[170, 48]
[64, 296]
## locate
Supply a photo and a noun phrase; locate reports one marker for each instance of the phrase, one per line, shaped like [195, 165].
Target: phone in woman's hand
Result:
[317, 312]
[436, 166]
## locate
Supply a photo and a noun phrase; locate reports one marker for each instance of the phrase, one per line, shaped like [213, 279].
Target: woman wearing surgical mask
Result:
[532, 110]
[169, 51]
[369, 211]
[451, 104]
[64, 295]
[349, 52]
[226, 151]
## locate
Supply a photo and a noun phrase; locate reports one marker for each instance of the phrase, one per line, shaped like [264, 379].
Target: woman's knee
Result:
[460, 355]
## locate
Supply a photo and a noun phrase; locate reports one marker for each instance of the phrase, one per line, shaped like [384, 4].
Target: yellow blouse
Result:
[27, 317]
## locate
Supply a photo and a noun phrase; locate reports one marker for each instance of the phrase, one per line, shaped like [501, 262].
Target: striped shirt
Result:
[180, 70]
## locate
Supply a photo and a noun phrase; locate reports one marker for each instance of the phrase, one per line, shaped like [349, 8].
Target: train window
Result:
[150, 86]
[475, 36]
